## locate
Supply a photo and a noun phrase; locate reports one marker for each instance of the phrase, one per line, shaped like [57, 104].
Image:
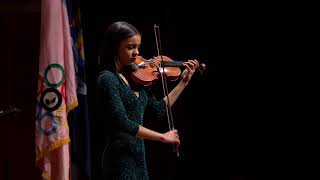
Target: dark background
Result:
[231, 119]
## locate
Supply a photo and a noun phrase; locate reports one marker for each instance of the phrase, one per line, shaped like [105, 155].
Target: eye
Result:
[130, 47]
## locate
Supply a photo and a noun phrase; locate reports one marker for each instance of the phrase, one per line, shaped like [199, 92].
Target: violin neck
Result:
[172, 64]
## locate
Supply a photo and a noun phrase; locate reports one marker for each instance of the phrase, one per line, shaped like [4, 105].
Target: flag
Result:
[79, 118]
[56, 94]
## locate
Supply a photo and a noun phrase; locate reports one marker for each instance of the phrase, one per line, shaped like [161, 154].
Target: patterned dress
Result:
[122, 111]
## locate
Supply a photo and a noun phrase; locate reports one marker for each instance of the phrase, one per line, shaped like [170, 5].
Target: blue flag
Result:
[79, 121]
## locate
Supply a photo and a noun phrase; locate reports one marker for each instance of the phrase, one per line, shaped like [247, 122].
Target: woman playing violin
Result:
[121, 107]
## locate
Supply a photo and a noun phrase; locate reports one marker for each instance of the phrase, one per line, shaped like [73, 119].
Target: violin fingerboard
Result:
[172, 64]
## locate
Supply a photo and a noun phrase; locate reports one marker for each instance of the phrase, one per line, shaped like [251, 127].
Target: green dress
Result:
[123, 156]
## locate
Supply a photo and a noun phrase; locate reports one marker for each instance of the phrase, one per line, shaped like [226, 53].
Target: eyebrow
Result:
[134, 44]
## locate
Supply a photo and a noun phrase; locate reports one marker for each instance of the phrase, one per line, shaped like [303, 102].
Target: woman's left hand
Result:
[191, 66]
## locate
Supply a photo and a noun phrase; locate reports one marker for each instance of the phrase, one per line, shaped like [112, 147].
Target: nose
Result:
[135, 51]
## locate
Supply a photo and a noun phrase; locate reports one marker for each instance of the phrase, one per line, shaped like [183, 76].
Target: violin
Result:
[145, 71]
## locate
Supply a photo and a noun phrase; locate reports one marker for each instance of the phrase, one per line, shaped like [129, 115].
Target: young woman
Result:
[121, 106]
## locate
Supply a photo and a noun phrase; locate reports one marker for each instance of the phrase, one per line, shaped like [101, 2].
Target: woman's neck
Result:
[126, 81]
[124, 78]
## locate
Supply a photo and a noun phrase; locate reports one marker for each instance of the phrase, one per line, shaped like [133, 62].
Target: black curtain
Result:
[225, 115]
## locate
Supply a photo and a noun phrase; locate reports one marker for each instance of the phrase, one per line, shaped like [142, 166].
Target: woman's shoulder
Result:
[106, 77]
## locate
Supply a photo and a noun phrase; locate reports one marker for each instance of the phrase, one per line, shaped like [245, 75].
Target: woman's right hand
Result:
[171, 137]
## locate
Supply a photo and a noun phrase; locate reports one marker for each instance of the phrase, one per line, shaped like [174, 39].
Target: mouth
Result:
[133, 59]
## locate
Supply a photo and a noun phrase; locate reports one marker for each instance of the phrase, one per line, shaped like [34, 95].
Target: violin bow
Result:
[164, 82]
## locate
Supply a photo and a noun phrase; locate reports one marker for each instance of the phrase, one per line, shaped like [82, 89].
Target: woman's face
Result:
[128, 50]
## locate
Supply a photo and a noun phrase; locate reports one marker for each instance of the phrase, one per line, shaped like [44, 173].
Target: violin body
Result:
[145, 72]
